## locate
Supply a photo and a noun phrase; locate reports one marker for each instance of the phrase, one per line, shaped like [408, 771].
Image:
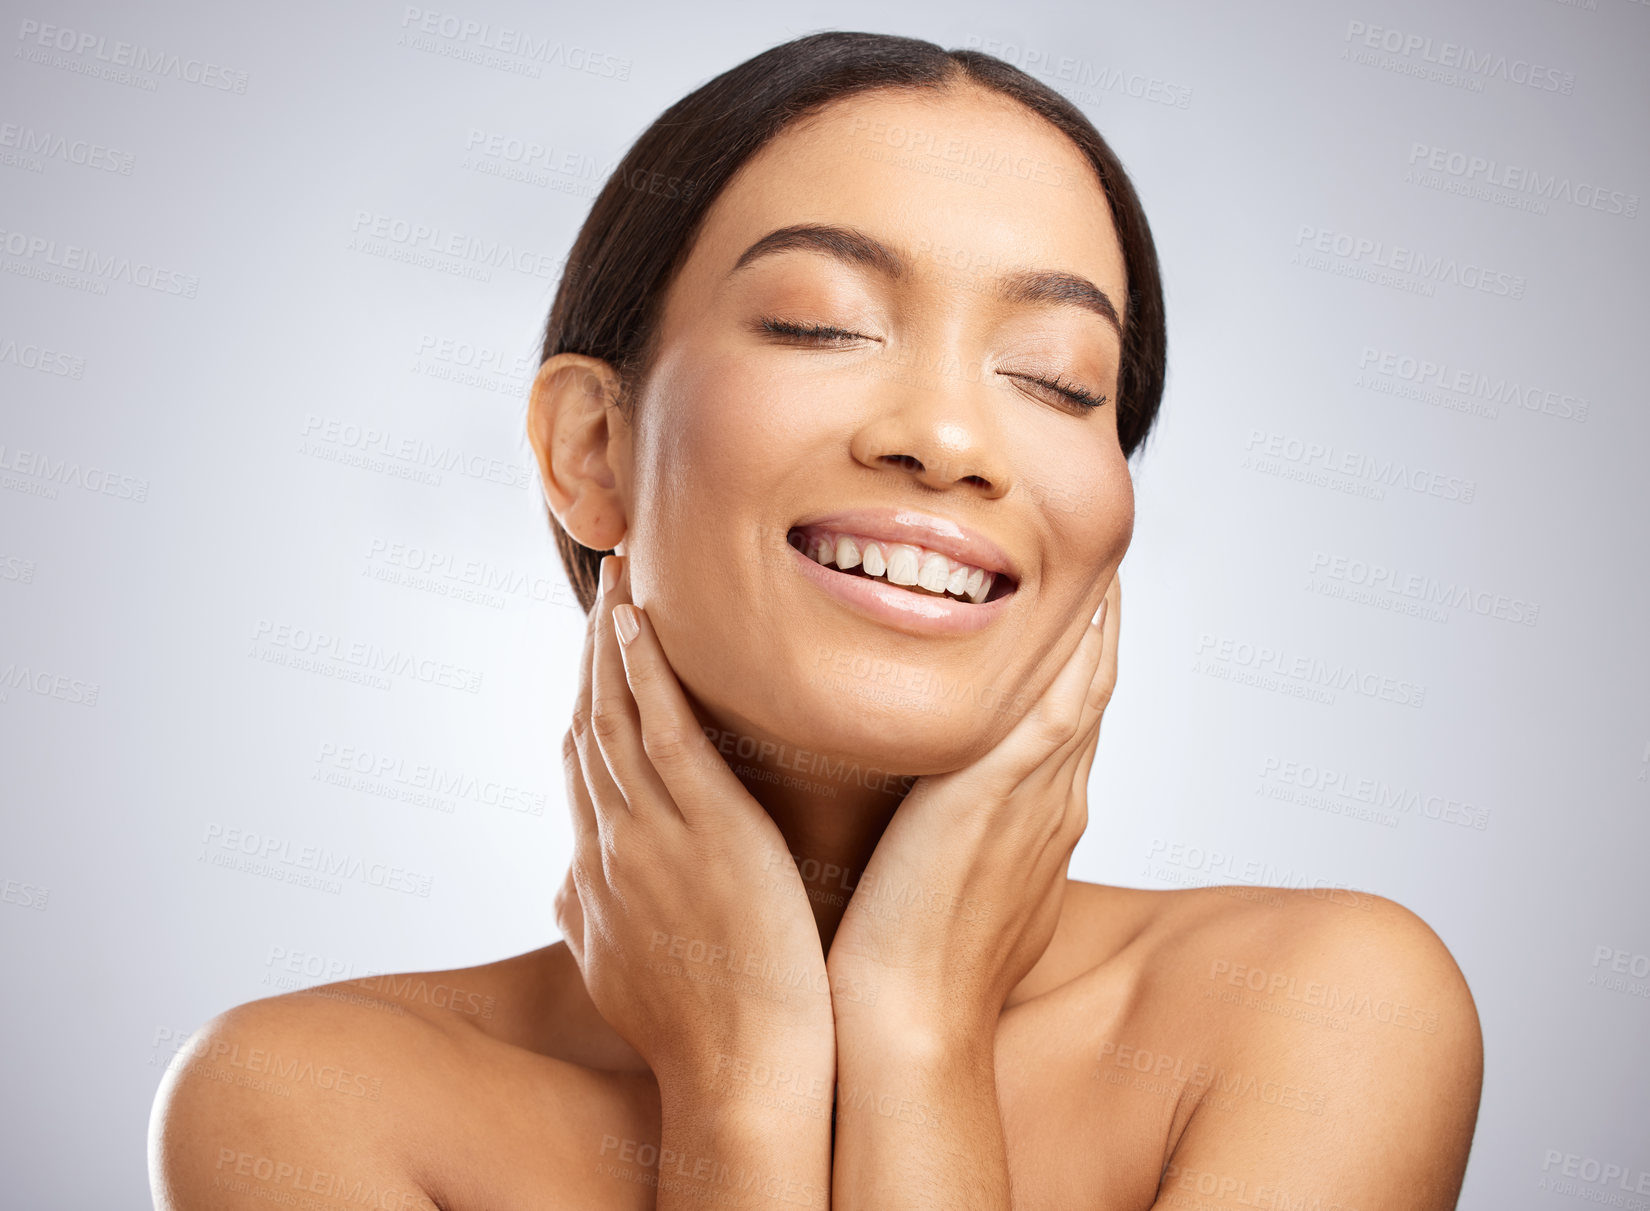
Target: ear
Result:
[579, 439]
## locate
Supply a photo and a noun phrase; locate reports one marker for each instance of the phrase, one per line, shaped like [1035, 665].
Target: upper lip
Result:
[929, 530]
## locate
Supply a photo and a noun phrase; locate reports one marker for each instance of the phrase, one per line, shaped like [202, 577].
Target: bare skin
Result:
[1010, 1038]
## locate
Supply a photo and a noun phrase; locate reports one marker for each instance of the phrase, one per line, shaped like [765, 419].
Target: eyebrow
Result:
[855, 247]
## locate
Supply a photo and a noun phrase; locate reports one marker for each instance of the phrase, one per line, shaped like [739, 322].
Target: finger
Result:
[604, 797]
[1102, 678]
[694, 775]
[581, 700]
[1105, 682]
[579, 806]
[615, 719]
[1043, 732]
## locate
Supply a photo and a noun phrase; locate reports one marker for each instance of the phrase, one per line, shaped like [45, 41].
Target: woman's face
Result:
[922, 401]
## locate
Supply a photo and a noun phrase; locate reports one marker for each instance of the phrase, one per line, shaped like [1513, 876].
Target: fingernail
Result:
[610, 572]
[624, 622]
[1100, 618]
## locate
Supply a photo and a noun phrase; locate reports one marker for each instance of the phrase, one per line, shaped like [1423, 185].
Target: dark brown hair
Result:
[643, 223]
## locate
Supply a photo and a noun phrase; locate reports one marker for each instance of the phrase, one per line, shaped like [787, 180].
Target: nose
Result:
[940, 431]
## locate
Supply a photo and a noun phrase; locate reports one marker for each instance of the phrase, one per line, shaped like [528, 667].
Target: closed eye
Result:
[1073, 392]
[827, 334]
[819, 332]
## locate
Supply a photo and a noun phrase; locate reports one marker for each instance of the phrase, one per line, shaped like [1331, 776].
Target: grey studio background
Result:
[1383, 614]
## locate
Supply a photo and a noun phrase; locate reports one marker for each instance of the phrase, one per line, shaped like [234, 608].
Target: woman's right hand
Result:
[685, 914]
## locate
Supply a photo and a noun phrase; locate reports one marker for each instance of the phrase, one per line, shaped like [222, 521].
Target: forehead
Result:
[959, 179]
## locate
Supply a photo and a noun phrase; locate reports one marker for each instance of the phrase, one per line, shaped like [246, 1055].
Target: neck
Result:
[831, 809]
[829, 840]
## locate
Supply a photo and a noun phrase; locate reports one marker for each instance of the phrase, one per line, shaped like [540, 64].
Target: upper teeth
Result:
[901, 563]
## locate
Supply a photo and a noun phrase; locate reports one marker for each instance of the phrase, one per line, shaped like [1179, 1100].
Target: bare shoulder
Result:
[372, 1091]
[293, 1091]
[1324, 1042]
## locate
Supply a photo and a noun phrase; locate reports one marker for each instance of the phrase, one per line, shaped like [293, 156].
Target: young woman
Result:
[836, 400]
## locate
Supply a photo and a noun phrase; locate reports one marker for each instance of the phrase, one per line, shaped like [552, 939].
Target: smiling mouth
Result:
[903, 566]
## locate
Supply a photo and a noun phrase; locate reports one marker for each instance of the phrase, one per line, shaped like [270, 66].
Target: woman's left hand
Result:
[964, 890]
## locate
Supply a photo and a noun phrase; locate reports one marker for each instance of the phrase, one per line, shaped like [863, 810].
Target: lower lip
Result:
[897, 608]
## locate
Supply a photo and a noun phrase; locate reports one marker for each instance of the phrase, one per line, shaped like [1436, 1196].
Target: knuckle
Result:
[578, 880]
[611, 857]
[606, 724]
[641, 674]
[667, 745]
[1077, 817]
[580, 723]
[1056, 727]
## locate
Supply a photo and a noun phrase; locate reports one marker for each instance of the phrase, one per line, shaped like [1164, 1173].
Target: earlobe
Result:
[571, 417]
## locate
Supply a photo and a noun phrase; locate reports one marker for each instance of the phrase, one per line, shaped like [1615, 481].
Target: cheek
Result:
[712, 456]
[1086, 496]
[715, 423]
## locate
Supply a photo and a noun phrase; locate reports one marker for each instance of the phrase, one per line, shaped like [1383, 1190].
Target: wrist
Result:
[872, 1002]
[711, 1146]
[913, 1034]
[739, 1065]
[893, 1076]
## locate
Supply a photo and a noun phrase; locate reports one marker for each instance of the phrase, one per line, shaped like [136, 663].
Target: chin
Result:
[834, 722]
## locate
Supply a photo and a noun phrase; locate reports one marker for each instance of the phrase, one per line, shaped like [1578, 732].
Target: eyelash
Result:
[1076, 394]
